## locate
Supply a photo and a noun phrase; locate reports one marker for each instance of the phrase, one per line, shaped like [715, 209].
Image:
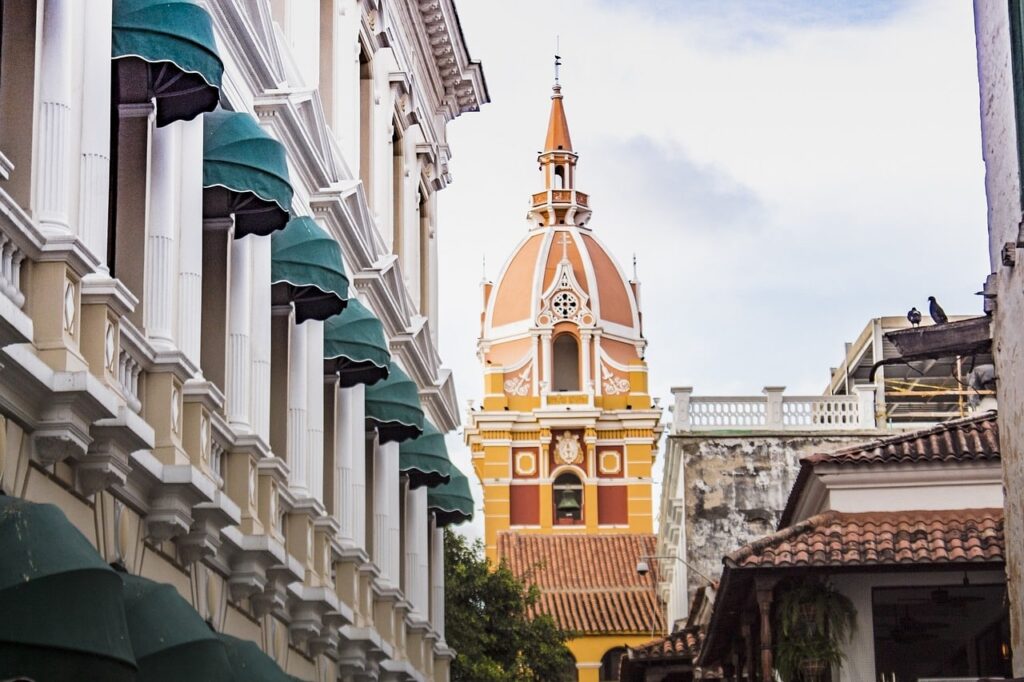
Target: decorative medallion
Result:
[567, 447]
[519, 384]
[69, 307]
[176, 410]
[120, 541]
[526, 464]
[204, 440]
[608, 462]
[110, 349]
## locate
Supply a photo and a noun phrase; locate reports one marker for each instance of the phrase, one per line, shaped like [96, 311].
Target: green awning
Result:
[170, 639]
[245, 173]
[174, 38]
[62, 610]
[306, 268]
[425, 459]
[249, 663]
[354, 346]
[451, 502]
[393, 407]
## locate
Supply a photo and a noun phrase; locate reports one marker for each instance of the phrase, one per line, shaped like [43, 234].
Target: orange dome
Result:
[556, 274]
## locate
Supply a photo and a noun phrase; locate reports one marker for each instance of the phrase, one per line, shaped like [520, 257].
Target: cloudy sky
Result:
[784, 170]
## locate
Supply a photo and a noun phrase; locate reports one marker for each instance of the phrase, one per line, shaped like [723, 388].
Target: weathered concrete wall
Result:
[1002, 188]
[736, 487]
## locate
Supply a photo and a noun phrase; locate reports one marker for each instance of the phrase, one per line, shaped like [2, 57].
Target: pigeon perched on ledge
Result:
[936, 311]
[914, 315]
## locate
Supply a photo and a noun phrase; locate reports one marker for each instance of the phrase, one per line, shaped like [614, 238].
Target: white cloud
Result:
[782, 175]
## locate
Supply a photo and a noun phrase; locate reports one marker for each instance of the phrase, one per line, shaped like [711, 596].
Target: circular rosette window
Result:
[564, 304]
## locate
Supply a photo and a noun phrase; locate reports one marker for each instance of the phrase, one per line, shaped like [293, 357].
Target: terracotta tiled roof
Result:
[960, 440]
[680, 644]
[880, 538]
[589, 583]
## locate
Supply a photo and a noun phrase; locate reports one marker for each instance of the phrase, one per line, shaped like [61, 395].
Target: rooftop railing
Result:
[773, 411]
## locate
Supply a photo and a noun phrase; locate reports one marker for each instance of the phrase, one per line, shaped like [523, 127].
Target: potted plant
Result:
[812, 621]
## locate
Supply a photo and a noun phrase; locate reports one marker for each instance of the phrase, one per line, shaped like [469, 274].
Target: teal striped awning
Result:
[425, 459]
[245, 174]
[174, 40]
[63, 612]
[170, 639]
[393, 407]
[451, 502]
[306, 265]
[355, 347]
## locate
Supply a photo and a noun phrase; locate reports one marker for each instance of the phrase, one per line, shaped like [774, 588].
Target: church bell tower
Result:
[565, 437]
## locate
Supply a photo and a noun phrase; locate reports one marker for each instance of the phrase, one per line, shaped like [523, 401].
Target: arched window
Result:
[568, 499]
[610, 664]
[567, 363]
[559, 179]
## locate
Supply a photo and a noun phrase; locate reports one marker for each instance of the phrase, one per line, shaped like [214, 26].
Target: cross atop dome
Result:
[560, 203]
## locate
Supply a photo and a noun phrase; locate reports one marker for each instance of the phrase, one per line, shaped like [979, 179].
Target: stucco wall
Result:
[735, 488]
[1002, 188]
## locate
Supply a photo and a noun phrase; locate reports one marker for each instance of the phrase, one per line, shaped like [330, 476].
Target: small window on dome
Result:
[566, 351]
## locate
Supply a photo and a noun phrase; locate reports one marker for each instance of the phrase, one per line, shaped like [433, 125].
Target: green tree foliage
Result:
[488, 625]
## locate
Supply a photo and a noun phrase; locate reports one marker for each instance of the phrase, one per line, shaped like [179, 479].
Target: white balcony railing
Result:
[11, 258]
[773, 411]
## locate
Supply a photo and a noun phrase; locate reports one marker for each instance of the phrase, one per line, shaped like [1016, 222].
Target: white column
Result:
[343, 464]
[161, 254]
[315, 406]
[355, 425]
[394, 514]
[437, 578]
[585, 360]
[545, 348]
[239, 324]
[52, 167]
[298, 397]
[385, 488]
[261, 337]
[94, 159]
[417, 570]
[190, 239]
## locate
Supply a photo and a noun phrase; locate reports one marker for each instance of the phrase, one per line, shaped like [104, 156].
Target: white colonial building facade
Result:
[218, 306]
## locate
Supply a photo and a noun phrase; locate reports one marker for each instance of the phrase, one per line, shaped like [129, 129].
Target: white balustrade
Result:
[774, 411]
[11, 258]
[128, 371]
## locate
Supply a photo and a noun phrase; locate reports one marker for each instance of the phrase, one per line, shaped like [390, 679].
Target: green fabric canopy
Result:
[175, 40]
[306, 265]
[62, 612]
[354, 346]
[393, 407]
[451, 502]
[170, 640]
[425, 459]
[249, 664]
[245, 173]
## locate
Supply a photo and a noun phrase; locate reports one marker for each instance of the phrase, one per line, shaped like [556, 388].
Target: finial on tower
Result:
[558, 59]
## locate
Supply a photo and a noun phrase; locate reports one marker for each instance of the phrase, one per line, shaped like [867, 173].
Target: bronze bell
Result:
[568, 502]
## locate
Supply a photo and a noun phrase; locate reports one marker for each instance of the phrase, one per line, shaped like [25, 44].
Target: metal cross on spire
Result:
[558, 59]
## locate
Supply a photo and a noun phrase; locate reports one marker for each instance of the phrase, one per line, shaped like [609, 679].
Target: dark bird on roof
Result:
[914, 315]
[936, 311]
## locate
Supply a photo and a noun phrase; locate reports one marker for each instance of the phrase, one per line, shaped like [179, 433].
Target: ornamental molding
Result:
[567, 448]
[519, 385]
[612, 384]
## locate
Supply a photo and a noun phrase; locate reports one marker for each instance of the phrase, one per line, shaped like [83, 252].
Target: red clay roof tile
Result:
[882, 538]
[589, 583]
